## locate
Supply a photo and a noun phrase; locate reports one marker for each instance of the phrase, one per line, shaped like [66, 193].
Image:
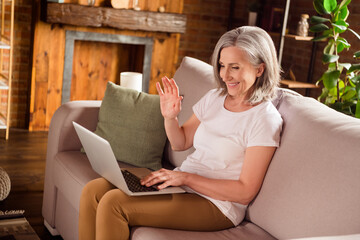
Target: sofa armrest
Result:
[62, 137]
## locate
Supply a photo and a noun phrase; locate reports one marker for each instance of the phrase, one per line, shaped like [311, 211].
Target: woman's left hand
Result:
[166, 178]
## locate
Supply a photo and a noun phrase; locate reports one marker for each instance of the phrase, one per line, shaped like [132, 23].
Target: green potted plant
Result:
[341, 80]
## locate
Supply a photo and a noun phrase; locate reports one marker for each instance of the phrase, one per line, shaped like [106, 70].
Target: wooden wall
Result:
[94, 64]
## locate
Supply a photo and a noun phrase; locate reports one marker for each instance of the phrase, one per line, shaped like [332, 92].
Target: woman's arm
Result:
[243, 190]
[180, 137]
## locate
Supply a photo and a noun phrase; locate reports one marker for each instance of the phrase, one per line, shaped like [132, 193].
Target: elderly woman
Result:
[235, 131]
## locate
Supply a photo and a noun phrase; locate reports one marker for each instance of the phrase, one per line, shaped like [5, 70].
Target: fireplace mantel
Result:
[88, 16]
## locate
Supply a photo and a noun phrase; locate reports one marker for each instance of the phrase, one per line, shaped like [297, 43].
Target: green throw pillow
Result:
[132, 123]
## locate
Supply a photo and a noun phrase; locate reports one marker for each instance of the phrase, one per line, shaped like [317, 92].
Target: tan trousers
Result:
[107, 213]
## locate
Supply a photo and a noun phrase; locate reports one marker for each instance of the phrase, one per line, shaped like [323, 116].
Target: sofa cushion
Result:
[194, 78]
[132, 123]
[312, 184]
[245, 230]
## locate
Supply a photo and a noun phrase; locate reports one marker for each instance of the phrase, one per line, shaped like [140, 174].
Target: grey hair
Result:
[260, 48]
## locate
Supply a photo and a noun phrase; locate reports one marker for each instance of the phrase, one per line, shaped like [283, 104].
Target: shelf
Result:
[3, 86]
[293, 36]
[81, 15]
[295, 84]
[4, 45]
[299, 38]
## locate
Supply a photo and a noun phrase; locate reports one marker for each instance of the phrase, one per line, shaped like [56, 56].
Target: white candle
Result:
[131, 80]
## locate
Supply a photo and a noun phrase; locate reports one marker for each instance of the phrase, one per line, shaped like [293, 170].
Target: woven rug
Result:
[17, 228]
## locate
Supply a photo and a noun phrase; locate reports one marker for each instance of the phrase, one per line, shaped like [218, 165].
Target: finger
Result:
[159, 89]
[156, 180]
[164, 185]
[167, 88]
[174, 86]
[172, 89]
[147, 178]
[178, 105]
[152, 178]
[170, 86]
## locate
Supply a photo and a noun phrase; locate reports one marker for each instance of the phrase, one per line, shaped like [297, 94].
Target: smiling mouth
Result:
[232, 84]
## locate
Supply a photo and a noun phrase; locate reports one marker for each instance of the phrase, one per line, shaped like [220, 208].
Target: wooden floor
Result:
[22, 156]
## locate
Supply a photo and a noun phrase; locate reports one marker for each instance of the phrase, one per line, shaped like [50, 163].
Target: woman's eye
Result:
[236, 68]
[221, 66]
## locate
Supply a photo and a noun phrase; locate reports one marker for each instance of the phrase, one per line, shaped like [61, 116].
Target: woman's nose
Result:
[224, 74]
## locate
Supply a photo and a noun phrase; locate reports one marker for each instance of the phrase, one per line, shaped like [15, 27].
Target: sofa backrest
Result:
[312, 185]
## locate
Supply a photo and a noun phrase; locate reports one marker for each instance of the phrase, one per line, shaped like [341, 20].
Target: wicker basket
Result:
[5, 184]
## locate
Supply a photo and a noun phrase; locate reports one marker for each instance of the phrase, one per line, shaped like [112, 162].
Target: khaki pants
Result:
[107, 213]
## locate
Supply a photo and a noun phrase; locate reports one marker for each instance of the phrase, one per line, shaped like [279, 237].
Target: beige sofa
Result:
[312, 187]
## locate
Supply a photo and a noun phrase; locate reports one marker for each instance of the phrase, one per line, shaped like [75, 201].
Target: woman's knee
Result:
[113, 203]
[96, 188]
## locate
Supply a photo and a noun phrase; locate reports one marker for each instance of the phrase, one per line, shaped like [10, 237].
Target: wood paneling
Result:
[96, 63]
[93, 65]
[172, 6]
[79, 15]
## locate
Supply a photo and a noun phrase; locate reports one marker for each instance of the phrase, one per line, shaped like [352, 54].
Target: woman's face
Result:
[237, 72]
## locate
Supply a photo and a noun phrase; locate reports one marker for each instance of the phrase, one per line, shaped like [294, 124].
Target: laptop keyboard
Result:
[133, 183]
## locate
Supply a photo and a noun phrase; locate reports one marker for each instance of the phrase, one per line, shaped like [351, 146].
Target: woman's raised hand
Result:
[170, 101]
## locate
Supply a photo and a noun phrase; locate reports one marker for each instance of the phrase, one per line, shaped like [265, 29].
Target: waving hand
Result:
[170, 101]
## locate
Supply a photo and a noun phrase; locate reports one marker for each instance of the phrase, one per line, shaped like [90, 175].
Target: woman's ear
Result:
[260, 70]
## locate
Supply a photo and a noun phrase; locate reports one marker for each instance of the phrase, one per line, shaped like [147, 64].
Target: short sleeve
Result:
[200, 107]
[266, 130]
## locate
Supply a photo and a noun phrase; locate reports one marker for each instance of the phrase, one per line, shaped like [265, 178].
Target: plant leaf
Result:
[354, 67]
[345, 65]
[342, 23]
[330, 78]
[358, 91]
[342, 44]
[344, 13]
[344, 3]
[349, 94]
[324, 94]
[330, 5]
[357, 112]
[328, 58]
[340, 47]
[356, 54]
[353, 80]
[332, 66]
[317, 19]
[319, 7]
[319, 38]
[330, 48]
[319, 27]
[355, 33]
[343, 41]
[340, 26]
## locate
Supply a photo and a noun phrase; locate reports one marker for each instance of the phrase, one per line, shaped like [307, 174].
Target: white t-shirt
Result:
[221, 139]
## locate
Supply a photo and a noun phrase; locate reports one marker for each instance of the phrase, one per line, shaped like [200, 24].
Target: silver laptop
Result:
[103, 161]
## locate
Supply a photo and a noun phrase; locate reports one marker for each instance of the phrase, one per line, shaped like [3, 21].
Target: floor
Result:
[23, 158]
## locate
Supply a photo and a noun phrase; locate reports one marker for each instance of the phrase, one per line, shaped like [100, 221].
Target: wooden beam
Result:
[87, 16]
